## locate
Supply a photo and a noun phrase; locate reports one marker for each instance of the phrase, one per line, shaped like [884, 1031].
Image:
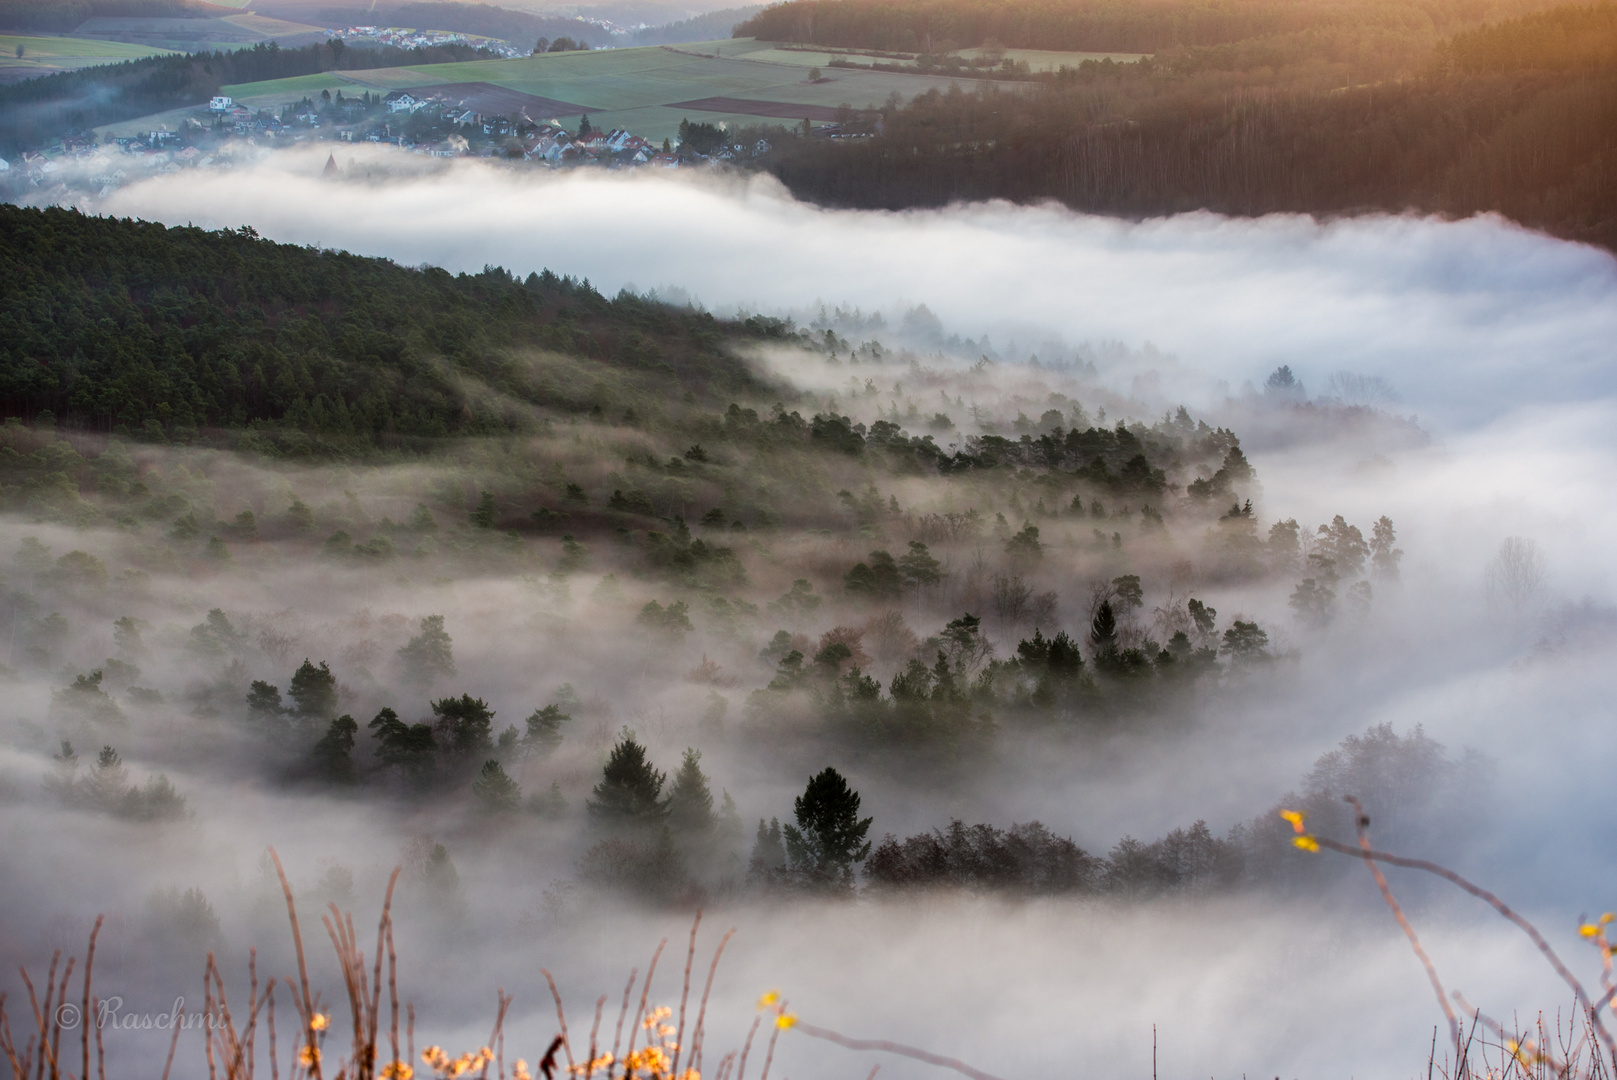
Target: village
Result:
[436, 124]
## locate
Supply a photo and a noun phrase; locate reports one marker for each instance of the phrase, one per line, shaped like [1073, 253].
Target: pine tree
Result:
[332, 757]
[1384, 556]
[408, 746]
[465, 724]
[496, 791]
[919, 568]
[1024, 546]
[690, 802]
[829, 836]
[314, 690]
[630, 789]
[429, 655]
[264, 700]
[544, 729]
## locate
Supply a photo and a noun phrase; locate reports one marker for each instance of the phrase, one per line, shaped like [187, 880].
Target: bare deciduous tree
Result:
[1515, 575]
[1010, 598]
[1041, 610]
[889, 637]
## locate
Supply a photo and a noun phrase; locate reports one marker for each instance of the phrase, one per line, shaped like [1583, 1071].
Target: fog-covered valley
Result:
[1278, 483]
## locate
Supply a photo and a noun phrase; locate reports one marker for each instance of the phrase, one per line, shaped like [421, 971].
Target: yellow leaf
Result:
[1306, 843]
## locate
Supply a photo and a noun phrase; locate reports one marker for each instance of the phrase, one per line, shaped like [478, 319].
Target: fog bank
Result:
[1466, 319]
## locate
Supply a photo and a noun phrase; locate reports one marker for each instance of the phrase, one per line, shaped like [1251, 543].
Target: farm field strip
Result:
[48, 55]
[647, 90]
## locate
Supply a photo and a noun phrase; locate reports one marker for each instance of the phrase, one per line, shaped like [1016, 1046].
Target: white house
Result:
[401, 101]
[220, 104]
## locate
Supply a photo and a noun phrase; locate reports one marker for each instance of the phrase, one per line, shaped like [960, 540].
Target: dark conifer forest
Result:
[1516, 117]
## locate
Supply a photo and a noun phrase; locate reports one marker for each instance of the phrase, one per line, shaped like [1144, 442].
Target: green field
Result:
[634, 88]
[50, 54]
[280, 91]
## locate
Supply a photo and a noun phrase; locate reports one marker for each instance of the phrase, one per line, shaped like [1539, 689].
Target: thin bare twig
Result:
[1544, 947]
[892, 1048]
[561, 1018]
[699, 1036]
[684, 995]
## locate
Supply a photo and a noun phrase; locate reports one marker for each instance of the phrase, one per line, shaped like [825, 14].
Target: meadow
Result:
[637, 89]
[45, 55]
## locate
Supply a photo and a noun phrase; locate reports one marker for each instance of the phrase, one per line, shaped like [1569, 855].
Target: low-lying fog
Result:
[1500, 341]
[1466, 319]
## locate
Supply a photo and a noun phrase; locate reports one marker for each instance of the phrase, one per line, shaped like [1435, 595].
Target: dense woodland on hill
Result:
[1518, 117]
[60, 16]
[939, 26]
[130, 326]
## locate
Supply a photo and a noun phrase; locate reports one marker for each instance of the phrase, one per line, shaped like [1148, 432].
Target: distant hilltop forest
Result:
[1250, 109]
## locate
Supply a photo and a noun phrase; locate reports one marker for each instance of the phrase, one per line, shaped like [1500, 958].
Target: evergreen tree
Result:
[1345, 544]
[1313, 602]
[544, 729]
[768, 852]
[690, 802]
[1128, 592]
[410, 747]
[495, 791]
[829, 837]
[551, 804]
[108, 783]
[422, 520]
[1103, 630]
[1384, 556]
[126, 636]
[465, 724]
[728, 825]
[879, 579]
[1246, 643]
[483, 514]
[1024, 546]
[1204, 618]
[429, 655]
[332, 759]
[264, 701]
[314, 691]
[919, 568]
[630, 789]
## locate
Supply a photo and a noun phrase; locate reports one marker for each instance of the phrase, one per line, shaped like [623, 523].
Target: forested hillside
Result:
[1107, 26]
[128, 325]
[58, 16]
[1518, 118]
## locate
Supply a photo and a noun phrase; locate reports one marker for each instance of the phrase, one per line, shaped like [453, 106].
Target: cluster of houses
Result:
[406, 38]
[545, 142]
[449, 129]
